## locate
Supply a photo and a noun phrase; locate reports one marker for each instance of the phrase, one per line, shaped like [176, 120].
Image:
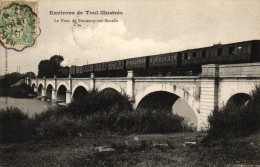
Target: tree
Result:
[49, 68]
[57, 59]
[10, 79]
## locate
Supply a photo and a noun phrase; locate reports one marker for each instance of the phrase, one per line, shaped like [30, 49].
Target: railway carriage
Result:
[140, 63]
[169, 60]
[72, 70]
[116, 65]
[192, 59]
[195, 57]
[88, 68]
[241, 52]
[79, 70]
[100, 67]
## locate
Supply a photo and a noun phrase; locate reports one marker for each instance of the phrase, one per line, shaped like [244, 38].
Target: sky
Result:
[144, 28]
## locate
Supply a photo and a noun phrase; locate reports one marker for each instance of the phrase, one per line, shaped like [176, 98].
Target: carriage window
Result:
[203, 53]
[189, 57]
[239, 50]
[219, 52]
[185, 56]
[231, 50]
[194, 55]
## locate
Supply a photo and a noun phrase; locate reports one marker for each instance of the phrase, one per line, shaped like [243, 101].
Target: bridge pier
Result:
[27, 81]
[54, 96]
[209, 93]
[130, 85]
[68, 96]
[43, 95]
[35, 89]
[92, 81]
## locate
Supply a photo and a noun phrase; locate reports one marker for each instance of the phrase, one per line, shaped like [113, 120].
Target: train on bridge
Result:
[186, 62]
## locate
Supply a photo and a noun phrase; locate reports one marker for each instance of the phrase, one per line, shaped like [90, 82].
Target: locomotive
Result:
[182, 62]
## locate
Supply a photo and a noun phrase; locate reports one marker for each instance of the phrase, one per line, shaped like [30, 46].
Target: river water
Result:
[30, 106]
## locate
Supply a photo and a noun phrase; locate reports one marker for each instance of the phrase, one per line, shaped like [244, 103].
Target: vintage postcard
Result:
[129, 83]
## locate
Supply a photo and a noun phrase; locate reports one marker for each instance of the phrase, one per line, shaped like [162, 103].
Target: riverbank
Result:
[142, 150]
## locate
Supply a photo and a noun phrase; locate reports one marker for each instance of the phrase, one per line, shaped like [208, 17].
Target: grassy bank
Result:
[81, 151]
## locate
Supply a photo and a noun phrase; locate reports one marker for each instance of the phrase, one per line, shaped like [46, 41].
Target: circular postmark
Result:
[18, 26]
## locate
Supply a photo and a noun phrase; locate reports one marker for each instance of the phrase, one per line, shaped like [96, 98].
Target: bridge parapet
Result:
[240, 70]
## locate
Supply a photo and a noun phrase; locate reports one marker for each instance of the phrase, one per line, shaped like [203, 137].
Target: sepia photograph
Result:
[129, 83]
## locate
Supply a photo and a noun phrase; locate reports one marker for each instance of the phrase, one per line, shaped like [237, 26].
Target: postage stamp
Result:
[18, 24]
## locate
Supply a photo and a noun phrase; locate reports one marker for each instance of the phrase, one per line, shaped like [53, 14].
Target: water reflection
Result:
[30, 106]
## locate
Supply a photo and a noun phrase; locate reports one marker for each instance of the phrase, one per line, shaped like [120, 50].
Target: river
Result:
[30, 106]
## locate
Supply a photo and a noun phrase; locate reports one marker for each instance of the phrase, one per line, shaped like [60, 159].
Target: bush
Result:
[147, 121]
[141, 122]
[95, 101]
[15, 126]
[56, 127]
[236, 121]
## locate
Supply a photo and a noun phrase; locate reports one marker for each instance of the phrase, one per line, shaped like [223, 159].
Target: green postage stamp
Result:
[18, 22]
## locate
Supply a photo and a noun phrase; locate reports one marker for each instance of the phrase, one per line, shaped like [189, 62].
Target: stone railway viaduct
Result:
[216, 85]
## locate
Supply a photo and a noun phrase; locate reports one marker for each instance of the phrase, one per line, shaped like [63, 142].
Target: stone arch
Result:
[40, 83]
[110, 92]
[112, 86]
[80, 84]
[79, 91]
[40, 86]
[64, 84]
[49, 91]
[61, 92]
[238, 99]
[33, 82]
[50, 83]
[33, 85]
[191, 101]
